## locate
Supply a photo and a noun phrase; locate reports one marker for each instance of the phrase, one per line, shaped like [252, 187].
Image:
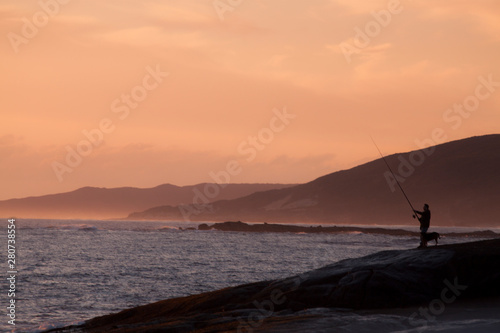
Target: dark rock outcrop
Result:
[388, 279]
[269, 227]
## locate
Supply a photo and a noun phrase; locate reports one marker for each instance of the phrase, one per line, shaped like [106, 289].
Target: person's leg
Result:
[423, 241]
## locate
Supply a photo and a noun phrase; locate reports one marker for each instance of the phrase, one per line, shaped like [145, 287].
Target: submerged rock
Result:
[384, 280]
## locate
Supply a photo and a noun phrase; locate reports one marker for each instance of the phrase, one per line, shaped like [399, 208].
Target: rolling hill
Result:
[104, 203]
[460, 180]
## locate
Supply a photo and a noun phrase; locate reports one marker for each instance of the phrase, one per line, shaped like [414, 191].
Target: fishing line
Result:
[400, 187]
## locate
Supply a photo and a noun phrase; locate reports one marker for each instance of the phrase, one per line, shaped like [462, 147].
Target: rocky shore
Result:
[341, 294]
[269, 227]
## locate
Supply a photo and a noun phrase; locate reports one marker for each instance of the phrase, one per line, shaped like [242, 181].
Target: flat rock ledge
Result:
[385, 280]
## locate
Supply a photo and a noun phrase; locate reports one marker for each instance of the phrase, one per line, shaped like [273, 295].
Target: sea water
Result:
[69, 271]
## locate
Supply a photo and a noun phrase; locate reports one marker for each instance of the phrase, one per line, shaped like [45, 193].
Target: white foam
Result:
[167, 227]
[49, 326]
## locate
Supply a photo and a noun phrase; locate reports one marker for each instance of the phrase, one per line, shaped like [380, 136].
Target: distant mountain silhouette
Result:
[460, 180]
[103, 203]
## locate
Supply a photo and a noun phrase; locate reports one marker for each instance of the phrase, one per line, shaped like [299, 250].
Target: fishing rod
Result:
[400, 187]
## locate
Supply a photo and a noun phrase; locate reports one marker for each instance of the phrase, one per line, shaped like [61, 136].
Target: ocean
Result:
[68, 271]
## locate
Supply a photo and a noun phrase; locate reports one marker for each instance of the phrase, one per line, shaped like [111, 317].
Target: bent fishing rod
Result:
[399, 185]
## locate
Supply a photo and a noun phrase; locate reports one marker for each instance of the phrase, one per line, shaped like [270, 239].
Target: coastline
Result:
[382, 230]
[390, 282]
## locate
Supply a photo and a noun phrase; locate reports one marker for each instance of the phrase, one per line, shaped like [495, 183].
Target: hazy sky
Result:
[139, 93]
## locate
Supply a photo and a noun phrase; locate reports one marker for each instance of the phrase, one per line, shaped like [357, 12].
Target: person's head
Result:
[426, 207]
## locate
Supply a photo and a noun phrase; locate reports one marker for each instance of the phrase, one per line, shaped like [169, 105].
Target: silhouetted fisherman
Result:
[425, 221]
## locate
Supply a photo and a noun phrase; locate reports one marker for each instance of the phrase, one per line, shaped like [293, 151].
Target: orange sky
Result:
[233, 70]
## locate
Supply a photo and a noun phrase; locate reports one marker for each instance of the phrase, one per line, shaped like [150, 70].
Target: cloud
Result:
[189, 15]
[278, 59]
[482, 16]
[368, 53]
[226, 77]
[153, 36]
[360, 7]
